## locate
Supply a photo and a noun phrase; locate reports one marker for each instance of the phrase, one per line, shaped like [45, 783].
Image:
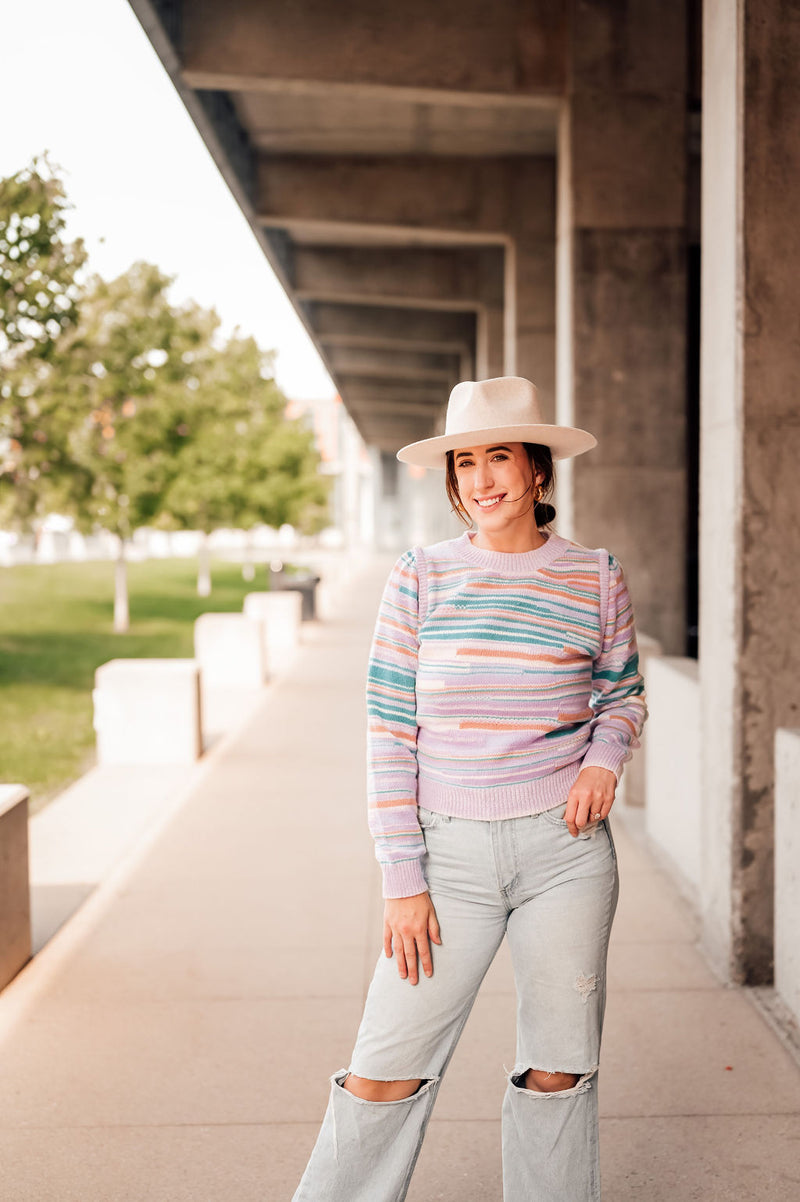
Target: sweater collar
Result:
[511, 563]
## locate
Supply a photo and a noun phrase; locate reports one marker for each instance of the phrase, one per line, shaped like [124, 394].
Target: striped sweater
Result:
[493, 678]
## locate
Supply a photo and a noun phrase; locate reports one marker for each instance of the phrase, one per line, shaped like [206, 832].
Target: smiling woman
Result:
[503, 699]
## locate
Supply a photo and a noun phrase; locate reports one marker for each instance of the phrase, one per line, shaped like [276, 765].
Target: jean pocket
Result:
[428, 819]
[556, 817]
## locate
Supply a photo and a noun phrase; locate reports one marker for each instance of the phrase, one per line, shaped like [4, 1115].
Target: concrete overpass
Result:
[456, 188]
[405, 169]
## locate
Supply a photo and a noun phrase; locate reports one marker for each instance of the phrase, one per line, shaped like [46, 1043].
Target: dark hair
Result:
[541, 461]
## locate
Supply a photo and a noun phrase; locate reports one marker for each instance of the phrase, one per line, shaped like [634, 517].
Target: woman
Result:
[504, 697]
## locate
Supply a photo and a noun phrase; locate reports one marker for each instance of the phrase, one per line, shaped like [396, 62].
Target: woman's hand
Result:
[590, 798]
[408, 923]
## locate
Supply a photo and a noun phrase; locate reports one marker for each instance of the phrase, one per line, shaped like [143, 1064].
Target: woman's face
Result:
[495, 483]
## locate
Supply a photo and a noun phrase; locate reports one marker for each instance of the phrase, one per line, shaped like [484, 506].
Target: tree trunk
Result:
[203, 569]
[248, 567]
[121, 612]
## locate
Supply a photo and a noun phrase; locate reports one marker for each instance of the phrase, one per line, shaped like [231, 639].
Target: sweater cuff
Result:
[605, 755]
[404, 878]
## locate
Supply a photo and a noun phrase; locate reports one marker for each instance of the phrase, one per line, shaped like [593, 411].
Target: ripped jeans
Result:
[554, 896]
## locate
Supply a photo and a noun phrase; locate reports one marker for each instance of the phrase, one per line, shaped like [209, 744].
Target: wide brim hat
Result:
[505, 409]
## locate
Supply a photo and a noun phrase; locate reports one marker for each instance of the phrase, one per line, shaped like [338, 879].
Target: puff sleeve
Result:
[618, 699]
[392, 734]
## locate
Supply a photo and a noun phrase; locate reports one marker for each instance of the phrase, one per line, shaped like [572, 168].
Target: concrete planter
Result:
[230, 651]
[15, 905]
[787, 868]
[280, 615]
[147, 711]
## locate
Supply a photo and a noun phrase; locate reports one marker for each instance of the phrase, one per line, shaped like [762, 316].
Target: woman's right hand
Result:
[408, 924]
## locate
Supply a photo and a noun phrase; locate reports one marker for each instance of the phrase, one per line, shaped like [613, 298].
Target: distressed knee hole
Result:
[368, 1089]
[547, 1083]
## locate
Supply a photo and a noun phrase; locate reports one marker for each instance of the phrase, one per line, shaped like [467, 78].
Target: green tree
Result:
[127, 375]
[39, 301]
[243, 462]
[120, 408]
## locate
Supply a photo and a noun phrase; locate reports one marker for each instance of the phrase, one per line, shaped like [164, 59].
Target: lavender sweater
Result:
[493, 679]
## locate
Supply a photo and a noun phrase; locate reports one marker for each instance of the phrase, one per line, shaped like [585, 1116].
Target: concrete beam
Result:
[395, 364]
[384, 327]
[503, 53]
[406, 428]
[403, 197]
[464, 279]
[390, 433]
[391, 443]
[386, 391]
[368, 409]
[325, 120]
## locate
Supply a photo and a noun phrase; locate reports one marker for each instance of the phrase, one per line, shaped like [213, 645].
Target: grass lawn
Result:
[55, 629]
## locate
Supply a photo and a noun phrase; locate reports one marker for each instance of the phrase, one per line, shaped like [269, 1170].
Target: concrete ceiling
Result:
[368, 144]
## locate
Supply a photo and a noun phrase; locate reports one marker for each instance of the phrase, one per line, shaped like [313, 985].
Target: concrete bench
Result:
[787, 867]
[280, 616]
[148, 711]
[674, 809]
[230, 650]
[15, 903]
[634, 778]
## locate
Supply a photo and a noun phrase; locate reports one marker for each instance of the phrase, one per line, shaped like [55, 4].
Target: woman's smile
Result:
[490, 502]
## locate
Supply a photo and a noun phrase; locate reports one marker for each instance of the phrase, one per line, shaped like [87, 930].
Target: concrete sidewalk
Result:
[174, 1040]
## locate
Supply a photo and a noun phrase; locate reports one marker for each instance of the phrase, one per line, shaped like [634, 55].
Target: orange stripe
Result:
[392, 647]
[488, 653]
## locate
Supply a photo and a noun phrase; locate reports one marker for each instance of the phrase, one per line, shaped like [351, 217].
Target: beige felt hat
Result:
[483, 411]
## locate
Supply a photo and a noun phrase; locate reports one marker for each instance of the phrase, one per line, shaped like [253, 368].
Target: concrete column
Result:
[622, 297]
[426, 510]
[530, 294]
[490, 348]
[749, 452]
[389, 524]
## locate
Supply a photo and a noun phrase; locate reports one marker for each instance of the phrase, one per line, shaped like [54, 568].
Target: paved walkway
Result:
[173, 1041]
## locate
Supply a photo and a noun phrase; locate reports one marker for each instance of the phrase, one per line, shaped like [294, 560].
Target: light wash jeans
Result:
[554, 896]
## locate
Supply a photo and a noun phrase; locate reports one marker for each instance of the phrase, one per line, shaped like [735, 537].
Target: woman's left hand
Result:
[590, 798]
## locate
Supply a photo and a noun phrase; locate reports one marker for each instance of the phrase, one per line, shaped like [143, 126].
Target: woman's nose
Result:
[483, 476]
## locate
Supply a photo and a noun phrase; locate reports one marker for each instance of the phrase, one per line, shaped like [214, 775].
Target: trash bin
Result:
[305, 585]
